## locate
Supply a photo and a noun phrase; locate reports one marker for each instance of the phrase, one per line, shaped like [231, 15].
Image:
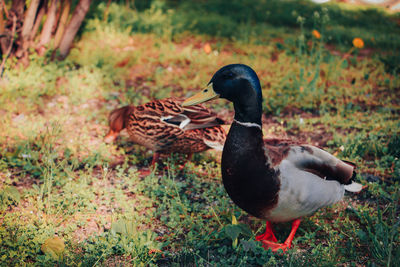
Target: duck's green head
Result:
[237, 83]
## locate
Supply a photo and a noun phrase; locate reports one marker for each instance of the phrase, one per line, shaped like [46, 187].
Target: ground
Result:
[58, 177]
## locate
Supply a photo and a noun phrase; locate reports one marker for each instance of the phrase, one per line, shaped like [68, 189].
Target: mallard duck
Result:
[164, 126]
[276, 180]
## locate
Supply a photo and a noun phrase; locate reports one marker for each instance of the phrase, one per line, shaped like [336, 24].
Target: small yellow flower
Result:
[358, 43]
[316, 34]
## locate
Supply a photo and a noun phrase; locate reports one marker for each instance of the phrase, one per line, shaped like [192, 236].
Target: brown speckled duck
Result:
[276, 180]
[164, 126]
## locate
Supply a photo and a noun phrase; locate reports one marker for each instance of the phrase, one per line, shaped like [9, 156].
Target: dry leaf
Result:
[54, 246]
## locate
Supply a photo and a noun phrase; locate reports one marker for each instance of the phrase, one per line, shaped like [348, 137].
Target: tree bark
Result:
[4, 7]
[62, 23]
[48, 27]
[38, 21]
[2, 22]
[29, 19]
[17, 11]
[7, 53]
[58, 15]
[19, 31]
[3, 33]
[77, 18]
[17, 7]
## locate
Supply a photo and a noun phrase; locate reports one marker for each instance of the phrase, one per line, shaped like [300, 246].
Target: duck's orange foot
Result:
[268, 235]
[275, 247]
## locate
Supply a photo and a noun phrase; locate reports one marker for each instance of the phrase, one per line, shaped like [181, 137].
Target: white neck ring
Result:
[248, 124]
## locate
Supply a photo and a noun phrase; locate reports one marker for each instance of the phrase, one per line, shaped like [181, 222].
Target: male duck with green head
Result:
[272, 179]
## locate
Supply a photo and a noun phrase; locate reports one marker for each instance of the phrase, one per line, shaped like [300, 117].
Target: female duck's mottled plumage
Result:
[278, 180]
[164, 126]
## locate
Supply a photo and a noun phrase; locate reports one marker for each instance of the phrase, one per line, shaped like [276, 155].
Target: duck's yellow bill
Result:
[204, 95]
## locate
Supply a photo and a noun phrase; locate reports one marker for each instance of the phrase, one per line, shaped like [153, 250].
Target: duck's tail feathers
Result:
[353, 187]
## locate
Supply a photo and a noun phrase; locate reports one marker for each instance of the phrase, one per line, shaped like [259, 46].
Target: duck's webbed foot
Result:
[270, 243]
[268, 235]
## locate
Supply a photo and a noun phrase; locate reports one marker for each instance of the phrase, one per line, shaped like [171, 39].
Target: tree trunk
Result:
[62, 23]
[48, 27]
[4, 7]
[3, 33]
[26, 30]
[19, 27]
[16, 10]
[79, 14]
[38, 21]
[58, 14]
[2, 22]
[6, 54]
[29, 19]
[18, 7]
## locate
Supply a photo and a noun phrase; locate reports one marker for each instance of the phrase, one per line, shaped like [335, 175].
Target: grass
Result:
[260, 21]
[58, 177]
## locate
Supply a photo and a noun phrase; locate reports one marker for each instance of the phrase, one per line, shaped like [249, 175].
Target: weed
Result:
[378, 234]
